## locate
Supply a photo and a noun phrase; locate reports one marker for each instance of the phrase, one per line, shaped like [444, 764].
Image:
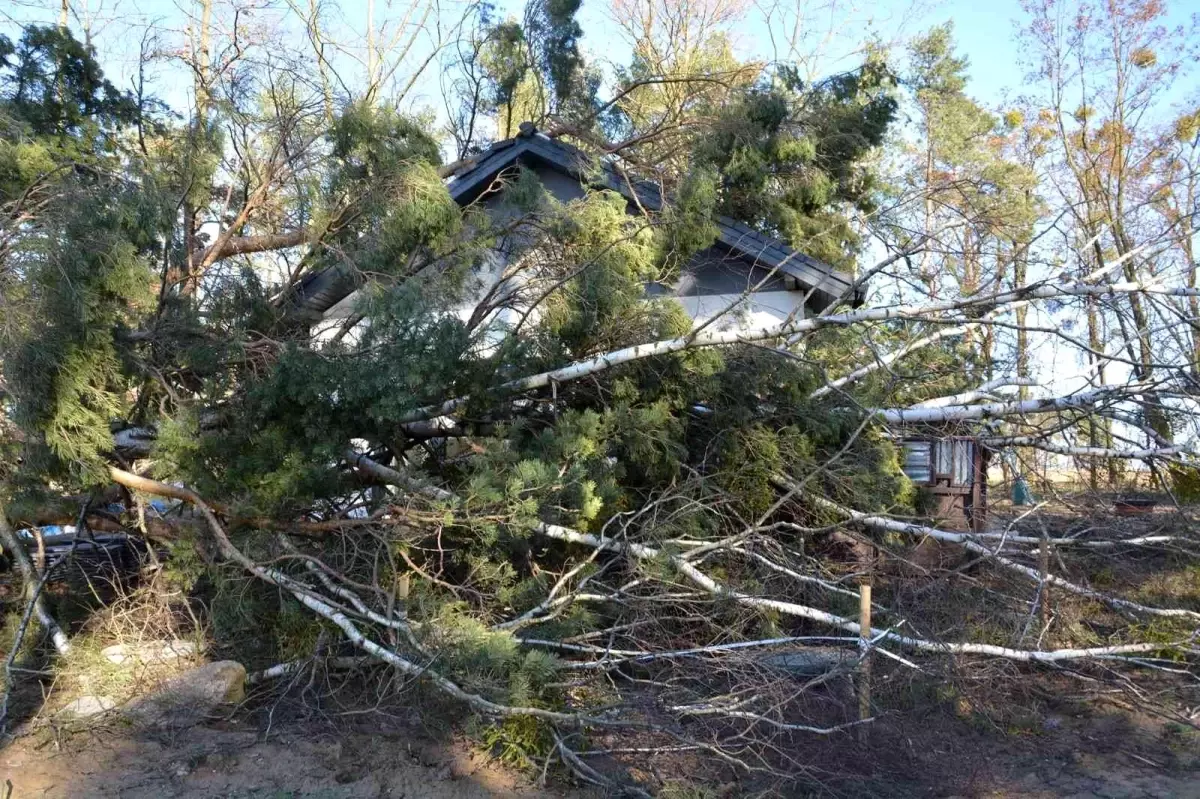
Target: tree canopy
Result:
[511, 457]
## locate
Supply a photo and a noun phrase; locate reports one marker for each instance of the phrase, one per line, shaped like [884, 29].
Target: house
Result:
[747, 278]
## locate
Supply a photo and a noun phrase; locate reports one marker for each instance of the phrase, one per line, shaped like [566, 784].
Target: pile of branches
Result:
[570, 509]
[684, 623]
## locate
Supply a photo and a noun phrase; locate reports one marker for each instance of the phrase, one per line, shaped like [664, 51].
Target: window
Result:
[951, 459]
[918, 461]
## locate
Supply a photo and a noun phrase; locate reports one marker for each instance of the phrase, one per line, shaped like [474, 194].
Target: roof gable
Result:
[469, 182]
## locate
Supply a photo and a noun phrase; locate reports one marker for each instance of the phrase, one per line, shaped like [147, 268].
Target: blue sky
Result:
[985, 31]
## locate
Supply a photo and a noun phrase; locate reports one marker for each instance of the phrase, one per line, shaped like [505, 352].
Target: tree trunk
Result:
[185, 276]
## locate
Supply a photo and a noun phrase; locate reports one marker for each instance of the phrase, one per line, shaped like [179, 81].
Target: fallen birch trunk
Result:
[712, 338]
[1092, 452]
[699, 578]
[643, 552]
[32, 582]
[993, 410]
[968, 541]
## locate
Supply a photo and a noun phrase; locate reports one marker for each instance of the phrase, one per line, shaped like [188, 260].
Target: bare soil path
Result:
[227, 761]
[1118, 759]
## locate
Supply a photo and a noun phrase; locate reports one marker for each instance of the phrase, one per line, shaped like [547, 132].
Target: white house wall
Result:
[736, 311]
[712, 282]
[478, 288]
[757, 310]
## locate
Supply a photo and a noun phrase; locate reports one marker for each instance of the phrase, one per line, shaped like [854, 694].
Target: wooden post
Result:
[1044, 593]
[402, 588]
[864, 670]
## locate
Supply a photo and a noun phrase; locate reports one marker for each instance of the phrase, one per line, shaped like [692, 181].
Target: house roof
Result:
[322, 290]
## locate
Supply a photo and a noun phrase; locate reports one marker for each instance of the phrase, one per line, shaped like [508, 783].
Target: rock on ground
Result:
[87, 706]
[187, 698]
[150, 652]
[811, 661]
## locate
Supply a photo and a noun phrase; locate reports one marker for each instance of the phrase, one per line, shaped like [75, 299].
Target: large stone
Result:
[149, 653]
[810, 662]
[185, 700]
[87, 706]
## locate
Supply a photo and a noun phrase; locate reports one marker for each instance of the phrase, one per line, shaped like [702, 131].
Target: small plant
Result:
[1179, 737]
[1185, 482]
[519, 741]
[681, 789]
[1168, 632]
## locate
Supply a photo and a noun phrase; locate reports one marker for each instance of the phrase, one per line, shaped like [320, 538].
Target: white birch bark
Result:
[712, 338]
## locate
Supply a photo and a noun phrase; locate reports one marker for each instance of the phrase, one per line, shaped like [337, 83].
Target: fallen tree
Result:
[566, 505]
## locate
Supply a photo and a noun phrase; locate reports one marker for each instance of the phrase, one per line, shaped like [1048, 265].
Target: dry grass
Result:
[138, 617]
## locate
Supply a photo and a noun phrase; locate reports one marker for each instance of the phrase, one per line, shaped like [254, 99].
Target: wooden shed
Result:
[953, 470]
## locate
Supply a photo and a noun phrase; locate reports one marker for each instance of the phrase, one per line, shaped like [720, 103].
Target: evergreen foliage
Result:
[52, 84]
[253, 403]
[285, 407]
[533, 67]
[791, 157]
[82, 270]
[468, 426]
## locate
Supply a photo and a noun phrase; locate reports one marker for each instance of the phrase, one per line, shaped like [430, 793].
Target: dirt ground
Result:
[1004, 731]
[227, 760]
[1106, 756]
[1112, 755]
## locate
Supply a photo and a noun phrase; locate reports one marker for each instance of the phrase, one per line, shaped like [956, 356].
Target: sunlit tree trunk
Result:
[183, 276]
